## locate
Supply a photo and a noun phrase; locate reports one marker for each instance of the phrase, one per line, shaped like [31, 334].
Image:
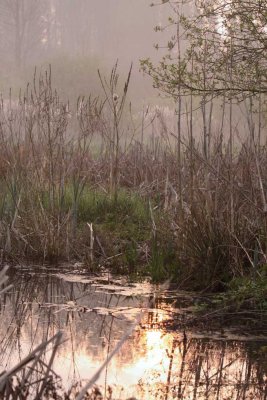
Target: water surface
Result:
[157, 361]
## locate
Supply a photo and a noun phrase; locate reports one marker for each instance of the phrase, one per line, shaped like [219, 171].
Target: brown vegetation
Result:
[206, 222]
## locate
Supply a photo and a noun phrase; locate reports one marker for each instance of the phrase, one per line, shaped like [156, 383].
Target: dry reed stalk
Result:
[35, 358]
[92, 239]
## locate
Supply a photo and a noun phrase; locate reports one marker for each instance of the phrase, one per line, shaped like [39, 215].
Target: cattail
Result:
[115, 97]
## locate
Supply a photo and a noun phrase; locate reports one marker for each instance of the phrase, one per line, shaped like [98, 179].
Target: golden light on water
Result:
[153, 338]
[153, 360]
[152, 356]
[130, 366]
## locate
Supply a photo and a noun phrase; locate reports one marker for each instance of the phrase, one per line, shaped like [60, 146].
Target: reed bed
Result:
[71, 190]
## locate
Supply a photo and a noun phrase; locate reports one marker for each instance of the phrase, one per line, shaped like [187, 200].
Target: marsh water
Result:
[159, 360]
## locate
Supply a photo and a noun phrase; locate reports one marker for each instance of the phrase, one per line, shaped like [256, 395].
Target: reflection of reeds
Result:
[196, 368]
[33, 375]
[3, 280]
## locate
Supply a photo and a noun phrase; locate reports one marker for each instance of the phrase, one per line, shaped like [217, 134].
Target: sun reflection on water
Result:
[152, 363]
[143, 361]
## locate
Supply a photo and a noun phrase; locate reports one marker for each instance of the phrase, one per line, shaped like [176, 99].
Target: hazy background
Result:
[77, 37]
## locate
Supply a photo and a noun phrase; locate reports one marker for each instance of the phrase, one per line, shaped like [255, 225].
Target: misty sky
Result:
[129, 27]
[76, 37]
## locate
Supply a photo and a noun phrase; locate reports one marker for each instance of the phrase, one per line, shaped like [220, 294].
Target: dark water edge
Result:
[160, 360]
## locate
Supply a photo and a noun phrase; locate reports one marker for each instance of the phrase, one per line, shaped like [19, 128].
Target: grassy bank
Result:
[76, 185]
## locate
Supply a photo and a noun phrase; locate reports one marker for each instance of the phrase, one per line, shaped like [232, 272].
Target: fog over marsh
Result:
[76, 38]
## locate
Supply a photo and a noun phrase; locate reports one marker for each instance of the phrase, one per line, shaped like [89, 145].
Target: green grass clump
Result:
[100, 207]
[248, 292]
[244, 294]
[164, 261]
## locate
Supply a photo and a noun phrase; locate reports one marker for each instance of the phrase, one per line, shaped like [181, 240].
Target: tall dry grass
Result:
[211, 210]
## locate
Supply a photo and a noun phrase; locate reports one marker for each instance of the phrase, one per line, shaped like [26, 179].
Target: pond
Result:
[159, 360]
